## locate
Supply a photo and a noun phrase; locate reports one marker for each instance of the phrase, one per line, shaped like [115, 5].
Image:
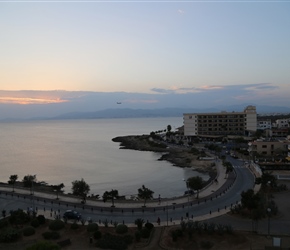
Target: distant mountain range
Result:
[161, 112]
[164, 112]
[24, 105]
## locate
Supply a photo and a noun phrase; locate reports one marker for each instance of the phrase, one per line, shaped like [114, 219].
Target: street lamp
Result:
[269, 213]
[188, 193]
[167, 213]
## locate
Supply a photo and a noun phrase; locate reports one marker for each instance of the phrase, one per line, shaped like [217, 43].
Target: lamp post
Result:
[269, 213]
[188, 193]
[167, 213]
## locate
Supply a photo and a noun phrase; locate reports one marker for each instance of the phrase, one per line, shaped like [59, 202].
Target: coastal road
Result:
[169, 213]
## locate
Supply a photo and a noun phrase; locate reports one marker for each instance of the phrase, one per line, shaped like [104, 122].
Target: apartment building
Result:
[221, 124]
[270, 147]
[282, 123]
[264, 124]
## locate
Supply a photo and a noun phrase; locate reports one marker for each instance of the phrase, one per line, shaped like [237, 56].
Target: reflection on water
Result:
[64, 151]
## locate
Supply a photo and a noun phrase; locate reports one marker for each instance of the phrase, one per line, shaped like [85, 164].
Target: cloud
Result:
[140, 101]
[162, 91]
[217, 88]
[260, 86]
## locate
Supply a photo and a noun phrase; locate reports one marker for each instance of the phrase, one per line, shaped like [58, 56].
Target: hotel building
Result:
[221, 124]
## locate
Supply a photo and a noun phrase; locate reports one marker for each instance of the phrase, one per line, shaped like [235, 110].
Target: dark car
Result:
[71, 214]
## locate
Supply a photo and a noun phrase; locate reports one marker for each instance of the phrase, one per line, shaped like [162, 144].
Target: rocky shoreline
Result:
[179, 156]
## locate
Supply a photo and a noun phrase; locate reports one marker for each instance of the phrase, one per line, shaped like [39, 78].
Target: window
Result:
[264, 146]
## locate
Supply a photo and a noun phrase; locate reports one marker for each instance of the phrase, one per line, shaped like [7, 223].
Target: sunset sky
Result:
[153, 47]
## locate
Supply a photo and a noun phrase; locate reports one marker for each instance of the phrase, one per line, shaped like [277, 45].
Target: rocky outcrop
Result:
[175, 154]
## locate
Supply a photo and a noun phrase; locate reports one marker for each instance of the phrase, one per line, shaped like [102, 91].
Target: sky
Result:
[239, 49]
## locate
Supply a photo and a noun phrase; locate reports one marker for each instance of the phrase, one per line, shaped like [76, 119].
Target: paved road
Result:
[214, 201]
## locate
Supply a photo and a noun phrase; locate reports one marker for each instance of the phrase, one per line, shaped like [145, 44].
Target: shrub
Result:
[149, 225]
[121, 229]
[56, 225]
[28, 231]
[18, 217]
[92, 227]
[51, 235]
[97, 235]
[183, 225]
[128, 239]
[35, 223]
[109, 241]
[137, 235]
[3, 224]
[74, 226]
[229, 229]
[220, 229]
[206, 244]
[44, 245]
[145, 232]
[41, 219]
[174, 235]
[179, 232]
[9, 235]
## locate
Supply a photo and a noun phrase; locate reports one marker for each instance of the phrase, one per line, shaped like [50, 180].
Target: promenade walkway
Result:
[127, 205]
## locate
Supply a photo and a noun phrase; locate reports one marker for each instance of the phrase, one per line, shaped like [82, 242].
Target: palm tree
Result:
[111, 195]
[139, 222]
[12, 180]
[145, 193]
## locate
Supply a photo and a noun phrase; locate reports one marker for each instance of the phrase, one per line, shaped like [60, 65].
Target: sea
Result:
[61, 151]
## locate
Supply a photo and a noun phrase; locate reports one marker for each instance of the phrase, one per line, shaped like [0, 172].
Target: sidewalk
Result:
[208, 190]
[129, 204]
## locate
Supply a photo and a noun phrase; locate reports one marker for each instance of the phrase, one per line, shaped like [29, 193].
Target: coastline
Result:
[179, 156]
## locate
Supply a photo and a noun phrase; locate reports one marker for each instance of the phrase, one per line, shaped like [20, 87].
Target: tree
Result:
[29, 181]
[250, 200]
[229, 167]
[267, 180]
[169, 128]
[111, 195]
[195, 183]
[256, 204]
[12, 180]
[80, 188]
[145, 193]
[58, 189]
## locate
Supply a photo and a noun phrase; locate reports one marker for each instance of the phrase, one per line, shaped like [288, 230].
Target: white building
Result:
[265, 124]
[282, 123]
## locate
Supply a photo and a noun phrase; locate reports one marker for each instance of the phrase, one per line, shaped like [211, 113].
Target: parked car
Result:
[71, 214]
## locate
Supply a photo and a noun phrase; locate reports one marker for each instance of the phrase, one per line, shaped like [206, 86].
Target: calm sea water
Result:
[61, 151]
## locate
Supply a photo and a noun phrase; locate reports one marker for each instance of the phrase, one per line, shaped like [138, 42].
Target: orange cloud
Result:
[29, 100]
